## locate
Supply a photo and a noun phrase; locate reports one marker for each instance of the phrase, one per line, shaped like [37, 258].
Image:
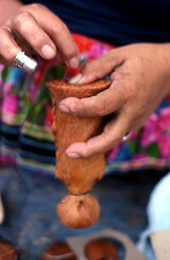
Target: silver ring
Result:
[12, 32]
[24, 62]
[125, 137]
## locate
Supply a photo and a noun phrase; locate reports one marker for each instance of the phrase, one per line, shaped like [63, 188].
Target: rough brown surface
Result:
[7, 252]
[59, 250]
[101, 249]
[78, 211]
[79, 175]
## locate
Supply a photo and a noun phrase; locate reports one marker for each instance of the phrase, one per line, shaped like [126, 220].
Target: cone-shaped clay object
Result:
[79, 209]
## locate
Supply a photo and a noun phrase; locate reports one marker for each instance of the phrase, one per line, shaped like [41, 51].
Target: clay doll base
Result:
[79, 175]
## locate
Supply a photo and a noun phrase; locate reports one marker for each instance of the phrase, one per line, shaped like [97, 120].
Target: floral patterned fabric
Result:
[26, 140]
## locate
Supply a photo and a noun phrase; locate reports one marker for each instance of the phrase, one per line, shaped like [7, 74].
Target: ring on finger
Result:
[22, 61]
[125, 137]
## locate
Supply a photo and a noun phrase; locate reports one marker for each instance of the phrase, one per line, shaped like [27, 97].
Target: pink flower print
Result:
[149, 131]
[10, 104]
[132, 135]
[1, 87]
[96, 51]
[164, 132]
[2, 67]
[157, 130]
[140, 156]
[8, 87]
[113, 153]
[165, 119]
[164, 144]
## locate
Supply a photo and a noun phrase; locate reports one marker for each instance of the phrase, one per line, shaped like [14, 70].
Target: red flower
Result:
[49, 116]
[82, 42]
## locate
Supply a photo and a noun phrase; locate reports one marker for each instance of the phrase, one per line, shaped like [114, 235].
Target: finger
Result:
[104, 103]
[98, 68]
[59, 33]
[109, 138]
[8, 47]
[28, 28]
[20, 41]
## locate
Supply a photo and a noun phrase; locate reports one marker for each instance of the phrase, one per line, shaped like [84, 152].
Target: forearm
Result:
[7, 7]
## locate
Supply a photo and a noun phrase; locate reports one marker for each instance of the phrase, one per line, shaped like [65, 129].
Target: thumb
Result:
[98, 68]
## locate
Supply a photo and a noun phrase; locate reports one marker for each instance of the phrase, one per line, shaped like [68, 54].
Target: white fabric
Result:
[158, 211]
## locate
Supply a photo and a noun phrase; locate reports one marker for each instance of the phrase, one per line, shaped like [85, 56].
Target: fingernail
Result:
[63, 108]
[48, 52]
[75, 79]
[73, 155]
[74, 63]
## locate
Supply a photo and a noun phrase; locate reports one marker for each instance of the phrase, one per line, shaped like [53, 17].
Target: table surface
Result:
[31, 222]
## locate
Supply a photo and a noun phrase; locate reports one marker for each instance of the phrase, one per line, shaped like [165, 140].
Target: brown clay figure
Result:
[79, 209]
[59, 251]
[8, 251]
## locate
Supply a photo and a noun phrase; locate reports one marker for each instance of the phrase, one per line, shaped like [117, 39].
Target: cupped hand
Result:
[140, 77]
[37, 29]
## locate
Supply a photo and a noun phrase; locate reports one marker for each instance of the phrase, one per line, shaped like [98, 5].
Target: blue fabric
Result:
[118, 22]
[31, 223]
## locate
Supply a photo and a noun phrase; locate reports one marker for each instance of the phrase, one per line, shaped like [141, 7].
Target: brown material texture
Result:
[101, 249]
[7, 252]
[59, 251]
[130, 252]
[79, 175]
[82, 211]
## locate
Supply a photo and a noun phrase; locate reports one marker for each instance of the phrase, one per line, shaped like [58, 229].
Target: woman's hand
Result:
[37, 30]
[140, 75]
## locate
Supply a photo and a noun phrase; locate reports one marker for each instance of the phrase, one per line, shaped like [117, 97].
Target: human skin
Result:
[37, 30]
[140, 72]
[140, 75]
